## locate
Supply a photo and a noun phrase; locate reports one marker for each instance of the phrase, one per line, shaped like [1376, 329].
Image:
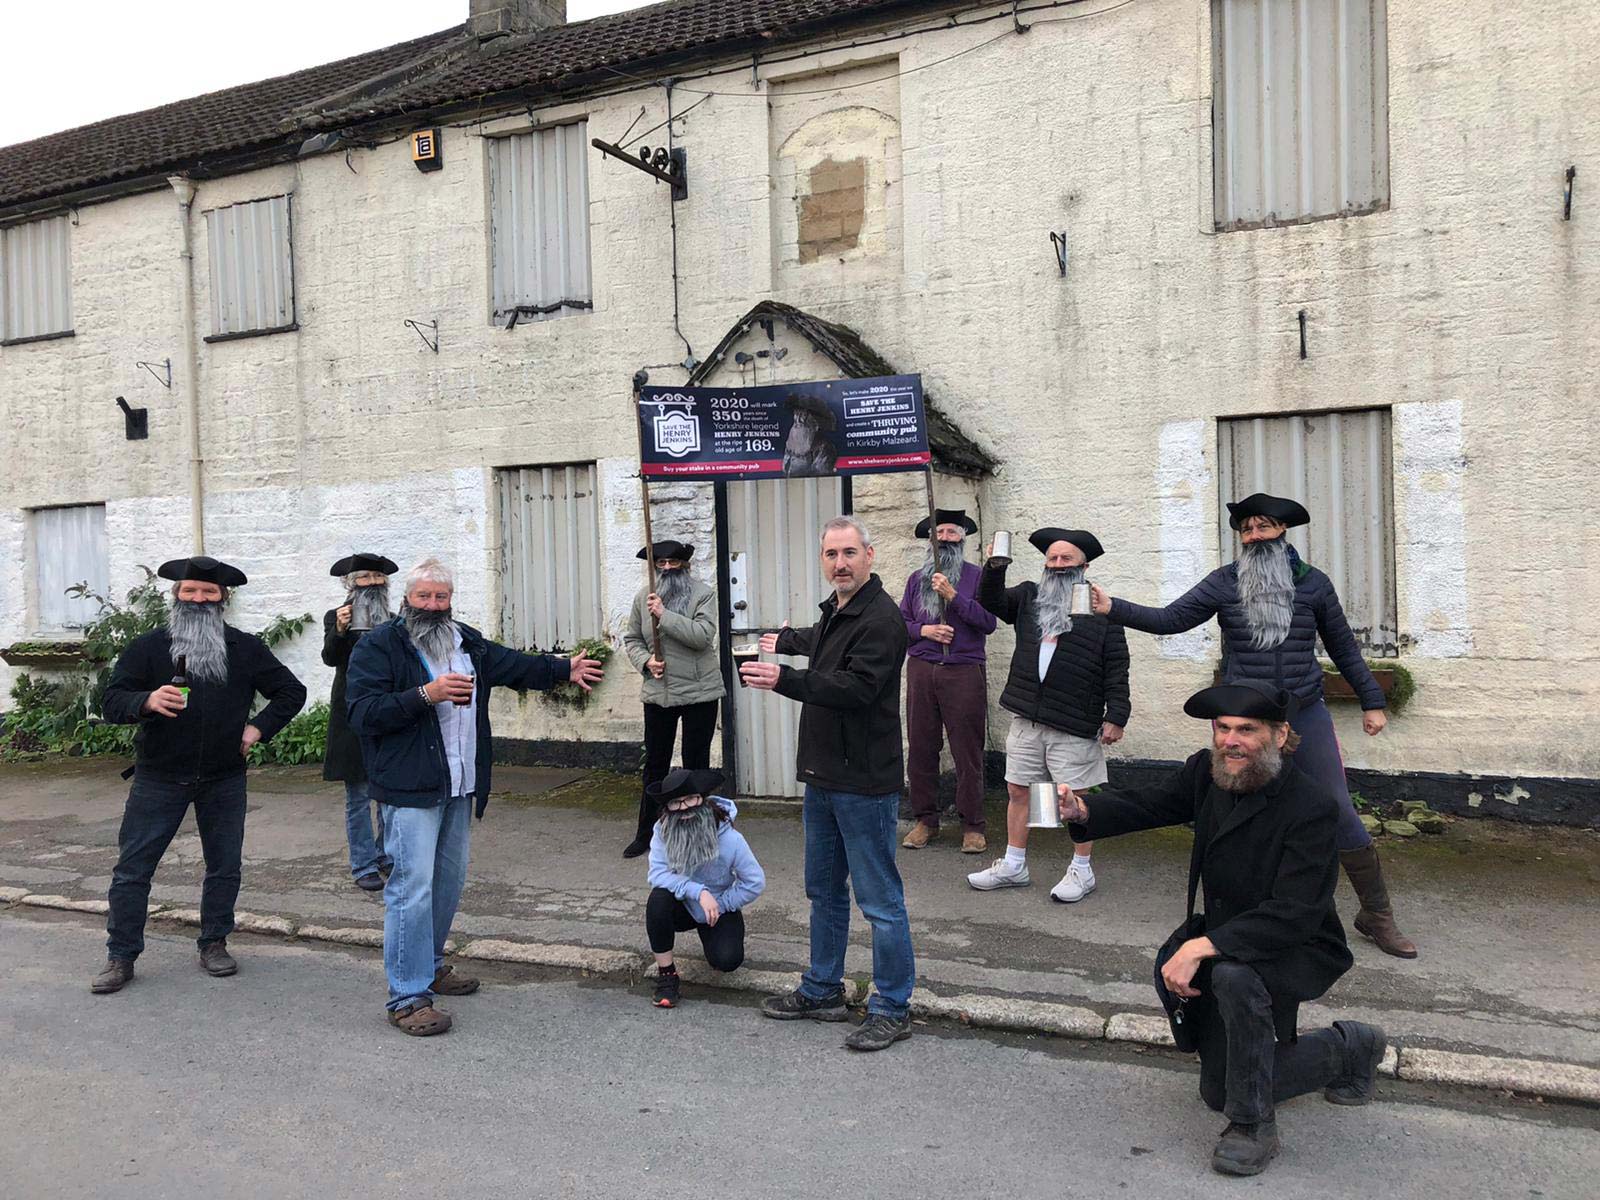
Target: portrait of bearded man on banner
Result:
[809, 449]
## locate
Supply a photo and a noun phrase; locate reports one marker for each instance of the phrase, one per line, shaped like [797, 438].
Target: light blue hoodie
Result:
[734, 876]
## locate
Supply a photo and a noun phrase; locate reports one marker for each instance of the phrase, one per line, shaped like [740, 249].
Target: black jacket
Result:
[1087, 682]
[850, 694]
[1267, 872]
[202, 742]
[342, 759]
[401, 742]
[1292, 663]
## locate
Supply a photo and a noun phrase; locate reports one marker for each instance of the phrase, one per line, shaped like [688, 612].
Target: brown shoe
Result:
[215, 960]
[113, 977]
[421, 1020]
[1376, 918]
[973, 842]
[448, 983]
[919, 836]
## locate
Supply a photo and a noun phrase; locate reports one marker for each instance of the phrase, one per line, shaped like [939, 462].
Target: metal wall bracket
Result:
[1302, 319]
[166, 365]
[674, 171]
[1566, 203]
[431, 344]
[1059, 241]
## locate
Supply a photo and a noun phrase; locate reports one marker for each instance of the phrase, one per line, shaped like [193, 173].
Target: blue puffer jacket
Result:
[1292, 664]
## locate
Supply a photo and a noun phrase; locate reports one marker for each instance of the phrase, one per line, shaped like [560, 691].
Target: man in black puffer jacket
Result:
[1271, 608]
[1067, 694]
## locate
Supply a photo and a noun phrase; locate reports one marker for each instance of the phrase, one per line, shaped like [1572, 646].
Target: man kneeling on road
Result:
[1233, 978]
[418, 694]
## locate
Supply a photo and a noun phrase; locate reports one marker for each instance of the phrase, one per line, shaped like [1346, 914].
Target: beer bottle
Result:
[180, 678]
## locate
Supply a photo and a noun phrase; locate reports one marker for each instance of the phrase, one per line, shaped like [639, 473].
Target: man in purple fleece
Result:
[702, 875]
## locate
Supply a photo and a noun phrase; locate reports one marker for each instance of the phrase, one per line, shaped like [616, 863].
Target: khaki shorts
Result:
[1038, 754]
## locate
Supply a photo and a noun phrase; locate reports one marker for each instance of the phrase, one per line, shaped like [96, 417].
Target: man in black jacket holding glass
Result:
[1265, 863]
[195, 730]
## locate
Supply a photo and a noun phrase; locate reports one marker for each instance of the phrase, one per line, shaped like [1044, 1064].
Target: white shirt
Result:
[1047, 651]
[459, 724]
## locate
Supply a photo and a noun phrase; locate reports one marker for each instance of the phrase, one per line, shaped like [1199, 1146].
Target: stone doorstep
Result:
[1553, 1080]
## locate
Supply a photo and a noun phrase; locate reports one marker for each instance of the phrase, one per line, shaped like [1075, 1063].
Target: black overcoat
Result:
[342, 758]
[1267, 872]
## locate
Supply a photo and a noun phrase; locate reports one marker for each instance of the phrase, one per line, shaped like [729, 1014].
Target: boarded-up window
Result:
[252, 268]
[36, 280]
[549, 556]
[539, 223]
[69, 547]
[1340, 466]
[1300, 110]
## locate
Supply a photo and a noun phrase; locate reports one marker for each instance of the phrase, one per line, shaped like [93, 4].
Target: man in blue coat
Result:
[417, 692]
[1271, 608]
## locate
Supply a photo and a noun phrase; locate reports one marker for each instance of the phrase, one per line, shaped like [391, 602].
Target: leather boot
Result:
[113, 977]
[1245, 1149]
[641, 837]
[1376, 918]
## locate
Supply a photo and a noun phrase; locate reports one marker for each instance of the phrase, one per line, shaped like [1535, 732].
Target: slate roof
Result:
[952, 450]
[207, 134]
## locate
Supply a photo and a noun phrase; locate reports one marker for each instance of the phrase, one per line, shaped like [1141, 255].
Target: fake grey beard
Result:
[434, 633]
[1253, 776]
[369, 606]
[950, 562]
[1266, 591]
[1053, 600]
[197, 634]
[674, 587]
[690, 840]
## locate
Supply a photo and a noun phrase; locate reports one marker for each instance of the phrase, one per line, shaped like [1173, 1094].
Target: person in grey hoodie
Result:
[702, 876]
[684, 683]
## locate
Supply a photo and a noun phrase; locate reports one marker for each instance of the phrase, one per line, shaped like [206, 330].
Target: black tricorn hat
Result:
[1043, 539]
[1260, 504]
[206, 570]
[352, 563]
[816, 406]
[1247, 698]
[681, 781]
[947, 516]
[682, 551]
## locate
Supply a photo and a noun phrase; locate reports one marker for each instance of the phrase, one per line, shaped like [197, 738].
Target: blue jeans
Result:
[1319, 757]
[851, 835]
[429, 846]
[363, 833]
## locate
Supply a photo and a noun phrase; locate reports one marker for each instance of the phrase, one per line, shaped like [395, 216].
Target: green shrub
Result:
[302, 740]
[570, 693]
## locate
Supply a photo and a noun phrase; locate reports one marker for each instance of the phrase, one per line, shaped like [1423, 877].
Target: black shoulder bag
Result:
[1180, 1009]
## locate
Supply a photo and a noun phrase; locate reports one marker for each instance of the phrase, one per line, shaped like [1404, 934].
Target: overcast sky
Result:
[69, 62]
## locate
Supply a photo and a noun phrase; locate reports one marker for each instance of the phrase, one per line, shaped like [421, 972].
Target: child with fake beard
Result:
[702, 875]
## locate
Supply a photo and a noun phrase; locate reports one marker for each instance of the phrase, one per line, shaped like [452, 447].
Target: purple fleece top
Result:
[971, 621]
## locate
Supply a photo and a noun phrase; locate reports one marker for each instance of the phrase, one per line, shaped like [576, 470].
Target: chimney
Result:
[494, 18]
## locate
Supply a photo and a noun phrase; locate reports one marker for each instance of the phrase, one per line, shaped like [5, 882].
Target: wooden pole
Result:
[649, 539]
[933, 547]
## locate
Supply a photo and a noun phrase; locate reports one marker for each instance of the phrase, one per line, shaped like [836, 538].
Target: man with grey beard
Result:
[1232, 977]
[1067, 694]
[190, 688]
[947, 691]
[685, 684]
[366, 583]
[1271, 608]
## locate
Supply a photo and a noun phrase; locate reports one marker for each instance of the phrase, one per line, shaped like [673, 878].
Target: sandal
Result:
[447, 983]
[420, 1020]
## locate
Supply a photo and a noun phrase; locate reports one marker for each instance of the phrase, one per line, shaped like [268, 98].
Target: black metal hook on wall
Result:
[431, 344]
[1566, 203]
[166, 365]
[1302, 319]
[1059, 241]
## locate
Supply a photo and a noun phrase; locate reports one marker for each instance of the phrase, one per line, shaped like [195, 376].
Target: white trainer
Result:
[1001, 875]
[1077, 883]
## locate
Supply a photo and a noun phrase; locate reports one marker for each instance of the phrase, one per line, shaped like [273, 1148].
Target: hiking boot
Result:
[113, 977]
[421, 1020]
[797, 1006]
[1077, 883]
[1001, 875]
[448, 983]
[878, 1032]
[215, 960]
[1363, 1051]
[1245, 1149]
[973, 842]
[370, 882]
[666, 990]
[919, 836]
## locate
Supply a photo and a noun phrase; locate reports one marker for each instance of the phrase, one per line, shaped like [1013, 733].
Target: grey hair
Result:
[847, 522]
[429, 570]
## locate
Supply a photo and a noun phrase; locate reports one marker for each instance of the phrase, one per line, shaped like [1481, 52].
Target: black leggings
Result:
[660, 732]
[665, 916]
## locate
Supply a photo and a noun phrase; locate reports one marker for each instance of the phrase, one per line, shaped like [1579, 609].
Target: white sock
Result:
[1081, 861]
[1017, 856]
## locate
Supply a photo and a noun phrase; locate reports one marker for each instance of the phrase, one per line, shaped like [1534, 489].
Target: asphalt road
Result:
[285, 1081]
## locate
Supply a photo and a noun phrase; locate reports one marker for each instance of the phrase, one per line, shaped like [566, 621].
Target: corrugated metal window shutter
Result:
[36, 279]
[549, 556]
[1300, 110]
[1340, 466]
[252, 267]
[539, 222]
[69, 547]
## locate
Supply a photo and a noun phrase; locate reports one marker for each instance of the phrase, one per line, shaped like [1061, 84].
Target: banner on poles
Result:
[791, 430]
